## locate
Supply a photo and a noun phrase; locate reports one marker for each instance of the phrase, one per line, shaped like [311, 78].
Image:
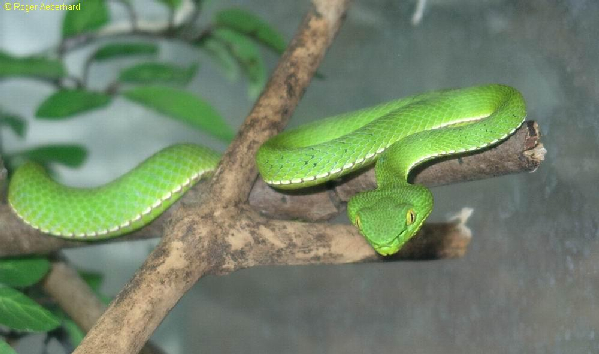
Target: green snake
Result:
[397, 135]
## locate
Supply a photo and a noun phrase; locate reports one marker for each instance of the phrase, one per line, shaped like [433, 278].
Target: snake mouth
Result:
[389, 248]
[385, 250]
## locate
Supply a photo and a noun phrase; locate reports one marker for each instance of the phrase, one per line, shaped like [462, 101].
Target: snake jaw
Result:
[390, 248]
[385, 250]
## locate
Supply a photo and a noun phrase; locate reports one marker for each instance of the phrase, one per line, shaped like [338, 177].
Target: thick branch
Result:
[522, 152]
[195, 241]
[255, 240]
[77, 299]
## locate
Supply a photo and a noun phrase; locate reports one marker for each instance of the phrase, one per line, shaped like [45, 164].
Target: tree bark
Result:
[77, 300]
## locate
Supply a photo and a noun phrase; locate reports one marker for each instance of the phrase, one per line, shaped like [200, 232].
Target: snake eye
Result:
[358, 222]
[410, 217]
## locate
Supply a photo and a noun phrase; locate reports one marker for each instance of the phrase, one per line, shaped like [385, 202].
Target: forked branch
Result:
[201, 238]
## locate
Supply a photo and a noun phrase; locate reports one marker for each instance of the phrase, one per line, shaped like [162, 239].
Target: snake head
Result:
[386, 223]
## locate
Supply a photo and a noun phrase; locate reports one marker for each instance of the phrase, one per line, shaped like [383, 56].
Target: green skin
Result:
[398, 135]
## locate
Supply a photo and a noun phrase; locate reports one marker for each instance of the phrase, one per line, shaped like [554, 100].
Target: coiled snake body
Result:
[398, 135]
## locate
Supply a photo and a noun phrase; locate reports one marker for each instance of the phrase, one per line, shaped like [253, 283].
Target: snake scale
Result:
[397, 136]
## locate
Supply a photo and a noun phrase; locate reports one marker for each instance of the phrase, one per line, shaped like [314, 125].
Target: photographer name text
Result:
[17, 6]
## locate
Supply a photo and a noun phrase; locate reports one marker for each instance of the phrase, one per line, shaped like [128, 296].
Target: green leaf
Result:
[248, 56]
[184, 106]
[19, 312]
[172, 4]
[24, 271]
[75, 333]
[14, 122]
[251, 25]
[11, 66]
[70, 155]
[93, 279]
[92, 15]
[5, 348]
[220, 54]
[148, 73]
[67, 103]
[120, 50]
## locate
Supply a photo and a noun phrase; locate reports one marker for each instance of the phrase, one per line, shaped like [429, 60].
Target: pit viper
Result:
[397, 136]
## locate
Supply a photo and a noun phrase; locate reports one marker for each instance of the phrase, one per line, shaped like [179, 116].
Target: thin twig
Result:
[130, 12]
[86, 69]
[418, 12]
[151, 29]
[171, 20]
[193, 17]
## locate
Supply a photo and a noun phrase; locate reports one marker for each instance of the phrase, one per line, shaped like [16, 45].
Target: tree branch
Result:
[254, 240]
[77, 300]
[134, 26]
[201, 239]
[522, 152]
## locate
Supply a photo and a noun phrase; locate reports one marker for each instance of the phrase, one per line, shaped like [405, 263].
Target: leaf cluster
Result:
[24, 308]
[231, 41]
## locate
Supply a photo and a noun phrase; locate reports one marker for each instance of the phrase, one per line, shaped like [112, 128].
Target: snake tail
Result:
[116, 208]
